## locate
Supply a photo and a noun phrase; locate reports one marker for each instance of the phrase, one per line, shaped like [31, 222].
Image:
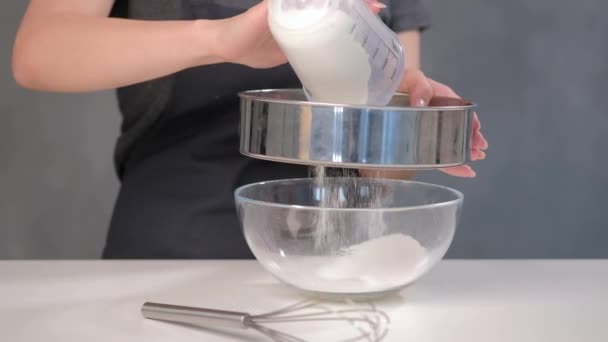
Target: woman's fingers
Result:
[464, 171]
[484, 144]
[477, 154]
[375, 5]
[418, 86]
[421, 90]
[476, 123]
[479, 141]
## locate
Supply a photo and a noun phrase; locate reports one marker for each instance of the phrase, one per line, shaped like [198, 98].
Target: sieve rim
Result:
[265, 96]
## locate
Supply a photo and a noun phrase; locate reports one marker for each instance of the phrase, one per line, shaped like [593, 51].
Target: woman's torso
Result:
[178, 153]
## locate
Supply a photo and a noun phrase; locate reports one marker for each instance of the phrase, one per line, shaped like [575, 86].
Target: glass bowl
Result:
[348, 236]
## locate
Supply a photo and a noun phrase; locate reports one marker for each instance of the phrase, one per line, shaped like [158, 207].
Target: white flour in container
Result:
[329, 62]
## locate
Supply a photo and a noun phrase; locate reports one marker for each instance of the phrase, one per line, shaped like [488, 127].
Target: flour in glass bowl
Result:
[376, 265]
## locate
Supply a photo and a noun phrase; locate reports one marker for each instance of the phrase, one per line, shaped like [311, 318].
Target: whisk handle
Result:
[196, 316]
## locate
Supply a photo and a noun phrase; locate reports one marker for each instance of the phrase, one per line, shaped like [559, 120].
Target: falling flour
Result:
[338, 189]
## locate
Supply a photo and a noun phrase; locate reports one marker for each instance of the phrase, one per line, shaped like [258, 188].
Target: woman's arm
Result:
[72, 46]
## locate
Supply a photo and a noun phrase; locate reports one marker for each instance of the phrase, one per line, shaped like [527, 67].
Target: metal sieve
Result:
[281, 125]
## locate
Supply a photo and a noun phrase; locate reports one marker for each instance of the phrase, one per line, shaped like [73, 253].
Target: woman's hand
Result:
[246, 38]
[422, 89]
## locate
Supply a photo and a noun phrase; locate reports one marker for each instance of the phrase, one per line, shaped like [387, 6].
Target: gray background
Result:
[57, 185]
[537, 69]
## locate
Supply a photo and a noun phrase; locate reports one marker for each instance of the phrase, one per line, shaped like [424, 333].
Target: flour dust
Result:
[337, 188]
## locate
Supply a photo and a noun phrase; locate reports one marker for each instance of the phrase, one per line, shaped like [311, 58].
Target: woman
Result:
[178, 66]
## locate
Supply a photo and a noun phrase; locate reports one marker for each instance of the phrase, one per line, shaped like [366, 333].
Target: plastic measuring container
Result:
[341, 51]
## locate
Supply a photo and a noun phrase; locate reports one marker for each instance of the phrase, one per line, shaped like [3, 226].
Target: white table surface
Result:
[74, 301]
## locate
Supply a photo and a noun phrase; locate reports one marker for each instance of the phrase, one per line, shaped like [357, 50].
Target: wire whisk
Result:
[368, 323]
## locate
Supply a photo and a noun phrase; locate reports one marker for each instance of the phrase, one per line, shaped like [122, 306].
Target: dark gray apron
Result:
[179, 173]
